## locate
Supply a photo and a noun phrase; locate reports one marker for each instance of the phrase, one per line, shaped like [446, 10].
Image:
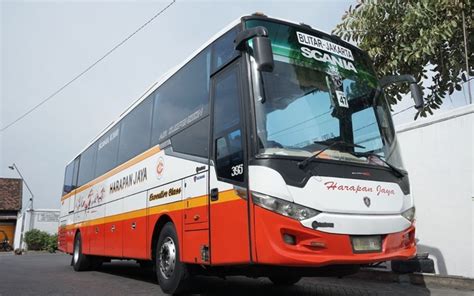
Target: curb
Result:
[419, 279]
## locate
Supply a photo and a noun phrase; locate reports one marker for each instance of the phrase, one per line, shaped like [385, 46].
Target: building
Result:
[11, 191]
[438, 154]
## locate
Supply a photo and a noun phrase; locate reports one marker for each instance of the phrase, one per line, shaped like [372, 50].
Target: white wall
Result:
[44, 220]
[16, 241]
[438, 154]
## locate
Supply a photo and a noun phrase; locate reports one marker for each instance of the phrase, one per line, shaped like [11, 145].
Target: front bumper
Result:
[317, 248]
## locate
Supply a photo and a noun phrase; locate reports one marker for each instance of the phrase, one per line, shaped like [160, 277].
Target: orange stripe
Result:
[150, 152]
[198, 201]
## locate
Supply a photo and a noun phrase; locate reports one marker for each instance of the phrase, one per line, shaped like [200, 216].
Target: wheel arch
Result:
[77, 231]
[160, 223]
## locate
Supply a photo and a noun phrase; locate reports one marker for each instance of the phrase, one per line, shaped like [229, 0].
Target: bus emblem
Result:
[160, 167]
[367, 201]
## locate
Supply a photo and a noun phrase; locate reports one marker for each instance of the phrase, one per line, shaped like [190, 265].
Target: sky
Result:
[45, 44]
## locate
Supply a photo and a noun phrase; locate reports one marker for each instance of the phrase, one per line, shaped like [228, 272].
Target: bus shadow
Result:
[129, 269]
[239, 285]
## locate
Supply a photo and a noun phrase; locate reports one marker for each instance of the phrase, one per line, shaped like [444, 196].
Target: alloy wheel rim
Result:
[76, 251]
[167, 257]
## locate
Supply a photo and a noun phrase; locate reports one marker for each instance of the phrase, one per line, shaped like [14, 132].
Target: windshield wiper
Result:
[328, 144]
[394, 169]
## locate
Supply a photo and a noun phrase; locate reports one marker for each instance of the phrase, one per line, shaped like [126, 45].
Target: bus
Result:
[270, 152]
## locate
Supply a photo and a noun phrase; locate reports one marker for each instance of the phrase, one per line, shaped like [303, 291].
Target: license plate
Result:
[366, 244]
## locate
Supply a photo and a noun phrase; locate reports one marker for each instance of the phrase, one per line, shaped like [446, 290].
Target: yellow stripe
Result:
[199, 201]
[150, 152]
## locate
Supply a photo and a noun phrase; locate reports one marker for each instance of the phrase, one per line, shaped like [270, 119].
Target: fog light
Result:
[289, 239]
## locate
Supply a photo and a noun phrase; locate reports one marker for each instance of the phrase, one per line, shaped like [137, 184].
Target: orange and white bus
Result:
[269, 152]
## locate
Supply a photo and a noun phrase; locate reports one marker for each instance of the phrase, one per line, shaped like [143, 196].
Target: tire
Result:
[95, 262]
[80, 262]
[284, 280]
[145, 264]
[173, 275]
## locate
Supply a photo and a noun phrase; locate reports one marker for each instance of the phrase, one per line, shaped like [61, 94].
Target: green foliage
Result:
[419, 37]
[38, 240]
[52, 243]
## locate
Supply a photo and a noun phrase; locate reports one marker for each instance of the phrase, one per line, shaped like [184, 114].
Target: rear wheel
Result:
[284, 280]
[173, 275]
[95, 262]
[80, 262]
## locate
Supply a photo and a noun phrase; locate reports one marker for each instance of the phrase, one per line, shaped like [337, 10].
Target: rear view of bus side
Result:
[269, 152]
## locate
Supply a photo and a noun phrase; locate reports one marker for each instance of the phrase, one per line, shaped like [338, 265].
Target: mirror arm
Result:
[248, 34]
[415, 89]
[384, 81]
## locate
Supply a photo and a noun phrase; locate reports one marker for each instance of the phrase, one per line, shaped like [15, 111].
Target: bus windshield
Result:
[321, 90]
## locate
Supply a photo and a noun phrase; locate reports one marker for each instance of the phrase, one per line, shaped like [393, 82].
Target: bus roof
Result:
[175, 69]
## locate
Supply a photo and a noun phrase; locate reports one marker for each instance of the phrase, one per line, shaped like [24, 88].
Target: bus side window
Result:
[223, 49]
[183, 99]
[68, 178]
[135, 131]
[75, 173]
[87, 165]
[229, 154]
[107, 149]
[193, 140]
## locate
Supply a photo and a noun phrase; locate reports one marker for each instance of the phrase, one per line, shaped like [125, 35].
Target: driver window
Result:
[227, 127]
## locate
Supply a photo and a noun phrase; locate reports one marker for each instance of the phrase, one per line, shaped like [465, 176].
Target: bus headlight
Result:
[409, 214]
[283, 207]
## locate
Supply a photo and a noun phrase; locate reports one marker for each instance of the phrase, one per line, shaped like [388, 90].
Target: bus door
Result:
[229, 223]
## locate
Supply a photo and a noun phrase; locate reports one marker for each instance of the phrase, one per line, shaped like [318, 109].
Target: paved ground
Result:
[50, 274]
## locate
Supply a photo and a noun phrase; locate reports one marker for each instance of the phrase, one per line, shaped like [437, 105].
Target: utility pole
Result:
[14, 167]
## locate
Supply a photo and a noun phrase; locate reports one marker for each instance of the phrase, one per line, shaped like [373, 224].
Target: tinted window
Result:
[182, 99]
[136, 131]
[87, 165]
[227, 130]
[226, 105]
[367, 135]
[68, 177]
[76, 172]
[223, 49]
[193, 140]
[107, 148]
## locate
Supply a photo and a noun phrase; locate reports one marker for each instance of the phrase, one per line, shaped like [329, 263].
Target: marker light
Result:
[409, 214]
[283, 207]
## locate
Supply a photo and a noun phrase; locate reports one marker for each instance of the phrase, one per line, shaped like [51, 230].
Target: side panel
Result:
[229, 225]
[135, 229]
[113, 229]
[96, 230]
[196, 219]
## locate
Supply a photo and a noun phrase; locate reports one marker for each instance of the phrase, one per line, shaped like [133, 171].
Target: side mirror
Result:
[262, 47]
[417, 95]
[416, 92]
[263, 54]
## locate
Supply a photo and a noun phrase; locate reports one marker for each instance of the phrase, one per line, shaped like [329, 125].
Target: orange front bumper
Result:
[317, 248]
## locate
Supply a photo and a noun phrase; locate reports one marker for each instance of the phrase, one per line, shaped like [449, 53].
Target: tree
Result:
[424, 38]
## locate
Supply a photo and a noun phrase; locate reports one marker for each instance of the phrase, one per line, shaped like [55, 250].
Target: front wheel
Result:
[173, 275]
[284, 280]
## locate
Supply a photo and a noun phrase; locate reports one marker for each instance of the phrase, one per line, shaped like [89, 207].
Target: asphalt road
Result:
[51, 274]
